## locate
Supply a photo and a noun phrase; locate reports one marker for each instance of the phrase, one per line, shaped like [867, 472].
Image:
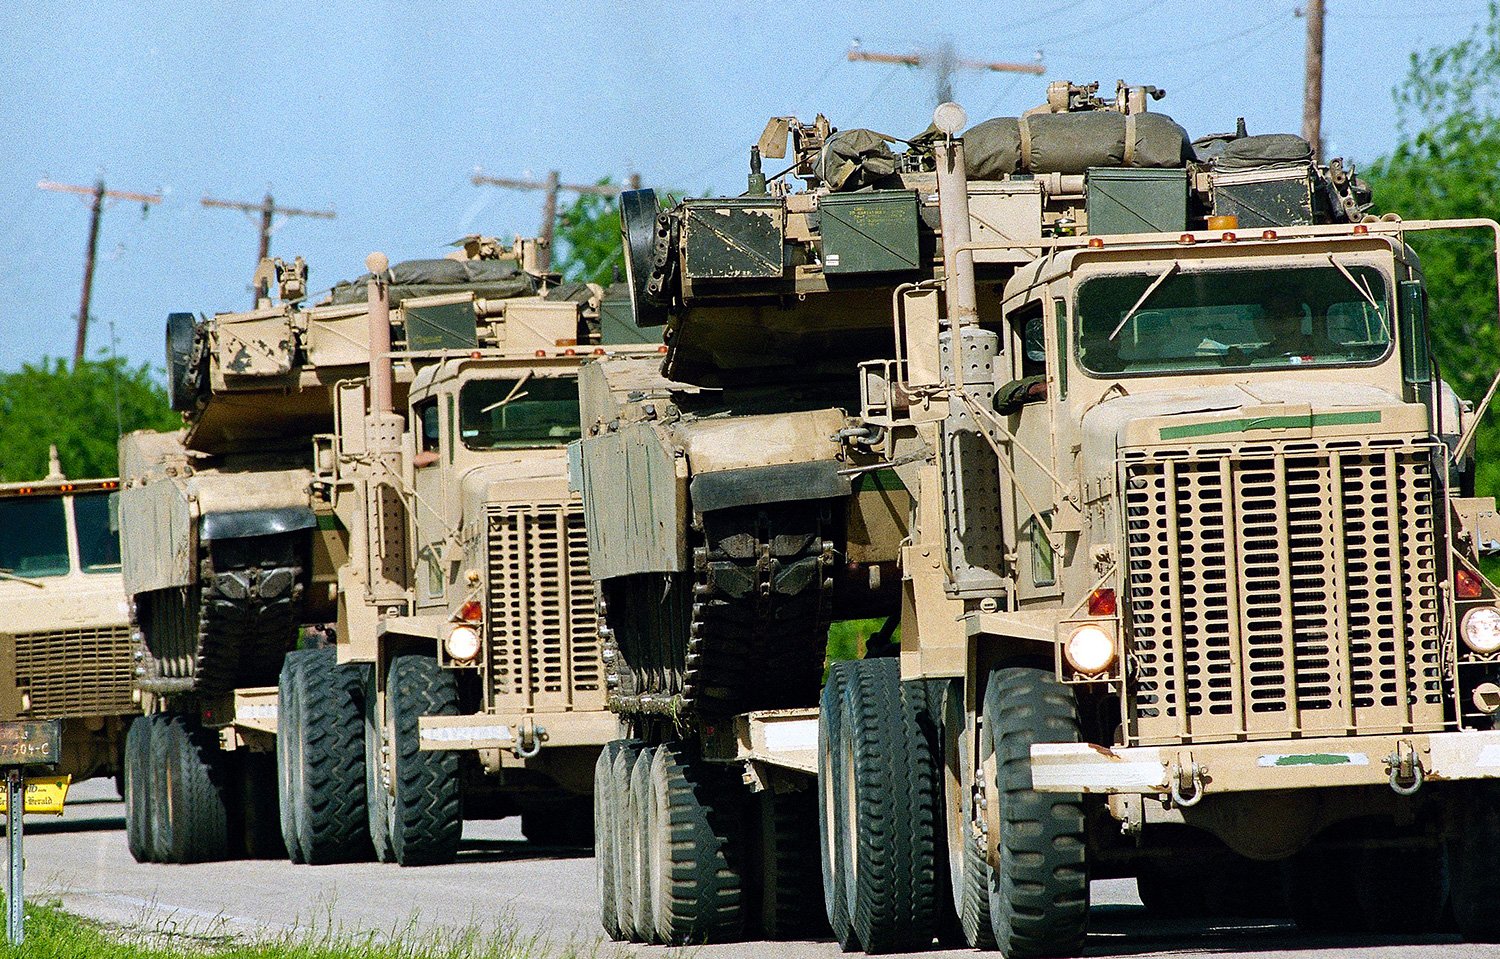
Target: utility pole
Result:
[1312, 90]
[551, 187]
[98, 194]
[945, 61]
[268, 211]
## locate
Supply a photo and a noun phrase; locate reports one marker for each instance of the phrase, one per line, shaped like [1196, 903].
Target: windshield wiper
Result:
[512, 395]
[1138, 303]
[1363, 290]
[7, 574]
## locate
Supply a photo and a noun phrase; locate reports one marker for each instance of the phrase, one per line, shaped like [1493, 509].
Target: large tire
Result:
[891, 778]
[789, 876]
[140, 756]
[968, 870]
[697, 825]
[607, 817]
[260, 802]
[1471, 854]
[626, 848]
[648, 871]
[330, 819]
[288, 745]
[195, 801]
[426, 805]
[1039, 887]
[922, 713]
[833, 806]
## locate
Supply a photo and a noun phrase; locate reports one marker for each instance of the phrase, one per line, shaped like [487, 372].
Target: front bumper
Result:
[1206, 769]
[493, 731]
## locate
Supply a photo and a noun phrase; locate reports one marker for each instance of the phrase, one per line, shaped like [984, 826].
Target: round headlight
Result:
[1090, 649]
[462, 643]
[1481, 629]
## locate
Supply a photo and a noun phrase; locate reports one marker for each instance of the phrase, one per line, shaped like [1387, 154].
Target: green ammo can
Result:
[1132, 200]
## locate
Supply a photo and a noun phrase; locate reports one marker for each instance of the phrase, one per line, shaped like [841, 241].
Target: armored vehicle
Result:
[65, 648]
[1188, 548]
[358, 572]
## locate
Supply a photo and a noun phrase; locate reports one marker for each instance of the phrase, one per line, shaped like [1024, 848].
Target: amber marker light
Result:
[1096, 243]
[1187, 239]
[471, 612]
[1102, 602]
[1467, 584]
[1268, 234]
[1360, 229]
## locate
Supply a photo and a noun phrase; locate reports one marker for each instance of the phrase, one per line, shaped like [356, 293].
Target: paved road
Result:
[82, 860]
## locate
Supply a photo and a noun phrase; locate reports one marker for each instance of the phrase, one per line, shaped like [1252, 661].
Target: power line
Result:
[945, 61]
[97, 194]
[552, 186]
[268, 211]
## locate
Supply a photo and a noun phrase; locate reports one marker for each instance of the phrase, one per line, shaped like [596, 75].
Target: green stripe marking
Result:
[1245, 424]
[1315, 759]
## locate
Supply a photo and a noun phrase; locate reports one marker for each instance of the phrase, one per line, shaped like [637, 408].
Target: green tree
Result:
[587, 246]
[1447, 165]
[83, 411]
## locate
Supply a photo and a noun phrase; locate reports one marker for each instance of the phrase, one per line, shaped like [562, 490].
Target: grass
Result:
[52, 933]
[847, 637]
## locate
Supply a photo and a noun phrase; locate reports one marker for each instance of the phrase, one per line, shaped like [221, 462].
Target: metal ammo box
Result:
[1129, 200]
[1281, 195]
[869, 232]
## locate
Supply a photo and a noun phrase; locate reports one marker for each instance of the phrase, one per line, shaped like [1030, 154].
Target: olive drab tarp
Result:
[1267, 149]
[495, 279]
[1073, 142]
[852, 159]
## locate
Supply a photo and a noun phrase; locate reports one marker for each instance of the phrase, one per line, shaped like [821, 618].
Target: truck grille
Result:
[1282, 590]
[543, 627]
[76, 672]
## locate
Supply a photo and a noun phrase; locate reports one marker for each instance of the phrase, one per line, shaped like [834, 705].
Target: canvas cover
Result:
[853, 159]
[1073, 142]
[493, 279]
[1267, 149]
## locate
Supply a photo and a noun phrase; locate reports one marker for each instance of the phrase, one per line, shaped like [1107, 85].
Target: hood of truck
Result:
[519, 476]
[1265, 410]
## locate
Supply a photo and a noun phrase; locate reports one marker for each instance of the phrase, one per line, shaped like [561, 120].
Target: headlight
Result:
[1481, 629]
[1090, 649]
[462, 643]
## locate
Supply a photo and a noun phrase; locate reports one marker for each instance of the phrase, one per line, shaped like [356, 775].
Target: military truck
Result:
[1189, 556]
[65, 648]
[358, 572]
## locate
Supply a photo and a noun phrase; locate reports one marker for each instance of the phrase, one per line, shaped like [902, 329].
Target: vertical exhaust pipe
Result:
[953, 208]
[381, 390]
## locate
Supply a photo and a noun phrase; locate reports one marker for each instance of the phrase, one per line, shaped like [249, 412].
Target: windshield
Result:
[503, 414]
[33, 537]
[98, 547]
[1173, 321]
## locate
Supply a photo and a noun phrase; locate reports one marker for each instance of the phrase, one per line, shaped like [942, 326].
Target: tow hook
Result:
[529, 738]
[1407, 774]
[1186, 783]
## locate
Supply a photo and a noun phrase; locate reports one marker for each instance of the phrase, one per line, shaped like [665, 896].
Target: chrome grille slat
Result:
[543, 644]
[76, 672]
[1281, 589]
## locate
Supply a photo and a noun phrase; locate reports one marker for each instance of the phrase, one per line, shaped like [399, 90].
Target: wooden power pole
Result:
[1312, 90]
[268, 211]
[945, 61]
[551, 187]
[97, 194]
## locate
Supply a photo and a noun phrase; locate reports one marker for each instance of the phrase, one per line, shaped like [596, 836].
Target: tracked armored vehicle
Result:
[1188, 548]
[65, 650]
[364, 531]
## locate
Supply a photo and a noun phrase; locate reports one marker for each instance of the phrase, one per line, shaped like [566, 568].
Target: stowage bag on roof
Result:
[1073, 142]
[495, 279]
[853, 159]
[1267, 149]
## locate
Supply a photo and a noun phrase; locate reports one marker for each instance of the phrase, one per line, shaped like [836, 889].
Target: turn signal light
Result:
[1102, 602]
[1467, 584]
[471, 612]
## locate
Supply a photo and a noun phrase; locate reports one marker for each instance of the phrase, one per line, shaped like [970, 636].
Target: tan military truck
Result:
[65, 649]
[429, 572]
[1190, 584]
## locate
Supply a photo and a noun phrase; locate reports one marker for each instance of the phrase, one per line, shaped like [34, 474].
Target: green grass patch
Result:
[52, 933]
[847, 638]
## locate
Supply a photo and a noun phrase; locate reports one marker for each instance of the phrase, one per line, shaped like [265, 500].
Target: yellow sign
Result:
[44, 794]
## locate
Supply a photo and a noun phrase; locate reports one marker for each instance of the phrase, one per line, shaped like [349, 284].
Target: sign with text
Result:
[30, 743]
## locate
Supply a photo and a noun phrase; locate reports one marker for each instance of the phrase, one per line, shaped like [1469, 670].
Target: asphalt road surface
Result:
[81, 860]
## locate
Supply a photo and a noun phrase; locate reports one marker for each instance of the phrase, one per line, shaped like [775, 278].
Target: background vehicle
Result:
[65, 650]
[1188, 566]
[302, 556]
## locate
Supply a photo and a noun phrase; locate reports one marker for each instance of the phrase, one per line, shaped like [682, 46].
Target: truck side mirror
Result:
[1416, 362]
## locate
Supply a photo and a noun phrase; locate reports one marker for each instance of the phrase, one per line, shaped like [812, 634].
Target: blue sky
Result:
[382, 110]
